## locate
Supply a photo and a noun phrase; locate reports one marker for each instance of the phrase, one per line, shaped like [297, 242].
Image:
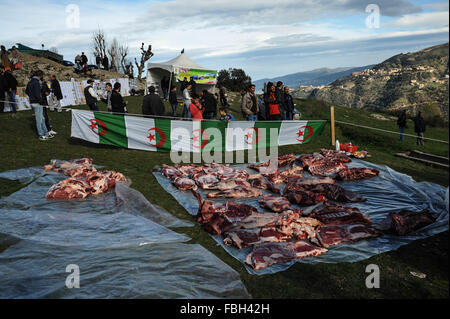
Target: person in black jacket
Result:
[152, 104]
[34, 92]
[273, 109]
[56, 94]
[45, 92]
[279, 94]
[419, 128]
[173, 100]
[210, 105]
[3, 89]
[288, 104]
[118, 105]
[401, 122]
[11, 89]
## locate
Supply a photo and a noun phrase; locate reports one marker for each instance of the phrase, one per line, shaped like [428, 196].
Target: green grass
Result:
[20, 148]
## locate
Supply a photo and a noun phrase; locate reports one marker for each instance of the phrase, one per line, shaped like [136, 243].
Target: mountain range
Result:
[317, 77]
[415, 80]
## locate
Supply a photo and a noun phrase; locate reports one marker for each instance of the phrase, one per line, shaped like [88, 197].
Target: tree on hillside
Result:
[99, 43]
[234, 79]
[113, 52]
[123, 53]
[145, 56]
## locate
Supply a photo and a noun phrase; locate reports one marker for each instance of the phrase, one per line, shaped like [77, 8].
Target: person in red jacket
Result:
[272, 103]
[196, 109]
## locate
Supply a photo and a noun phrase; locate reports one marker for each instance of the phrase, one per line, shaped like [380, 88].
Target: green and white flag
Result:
[163, 135]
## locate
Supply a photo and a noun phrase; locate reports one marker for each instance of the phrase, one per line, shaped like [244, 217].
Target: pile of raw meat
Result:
[287, 232]
[84, 179]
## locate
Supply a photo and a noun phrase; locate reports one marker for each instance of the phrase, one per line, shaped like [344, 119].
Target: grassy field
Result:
[20, 148]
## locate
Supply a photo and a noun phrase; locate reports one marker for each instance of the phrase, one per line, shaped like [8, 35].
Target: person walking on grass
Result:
[249, 106]
[173, 100]
[187, 100]
[33, 92]
[152, 104]
[419, 128]
[401, 122]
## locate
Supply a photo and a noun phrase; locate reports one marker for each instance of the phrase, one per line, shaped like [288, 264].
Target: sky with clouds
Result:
[266, 38]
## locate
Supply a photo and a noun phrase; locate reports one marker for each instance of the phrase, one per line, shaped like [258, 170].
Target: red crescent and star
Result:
[196, 138]
[301, 134]
[152, 137]
[95, 127]
[250, 135]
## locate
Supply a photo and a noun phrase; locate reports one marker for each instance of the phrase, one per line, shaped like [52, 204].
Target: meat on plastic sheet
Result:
[391, 191]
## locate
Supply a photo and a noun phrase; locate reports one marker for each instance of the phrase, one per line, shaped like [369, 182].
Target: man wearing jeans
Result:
[249, 105]
[33, 91]
[401, 122]
[187, 101]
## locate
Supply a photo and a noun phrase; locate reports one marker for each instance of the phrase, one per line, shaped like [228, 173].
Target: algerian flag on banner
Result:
[162, 135]
[101, 128]
[148, 134]
[299, 132]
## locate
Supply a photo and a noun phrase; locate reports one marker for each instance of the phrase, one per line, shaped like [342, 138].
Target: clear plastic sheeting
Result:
[118, 241]
[389, 192]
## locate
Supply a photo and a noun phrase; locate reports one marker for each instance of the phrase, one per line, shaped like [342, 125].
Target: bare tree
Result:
[123, 53]
[114, 59]
[145, 56]
[99, 43]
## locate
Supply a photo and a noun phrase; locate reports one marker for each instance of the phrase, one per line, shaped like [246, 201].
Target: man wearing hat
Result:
[91, 96]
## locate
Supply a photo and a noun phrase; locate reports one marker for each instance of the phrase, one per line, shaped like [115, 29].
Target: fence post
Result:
[333, 135]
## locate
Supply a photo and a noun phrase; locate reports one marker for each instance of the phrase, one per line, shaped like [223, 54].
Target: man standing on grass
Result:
[210, 104]
[11, 89]
[173, 100]
[288, 104]
[187, 99]
[401, 122]
[107, 100]
[419, 128]
[223, 96]
[152, 104]
[91, 96]
[3, 89]
[33, 91]
[56, 94]
[249, 106]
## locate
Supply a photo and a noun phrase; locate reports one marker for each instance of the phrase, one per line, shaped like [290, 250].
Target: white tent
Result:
[171, 69]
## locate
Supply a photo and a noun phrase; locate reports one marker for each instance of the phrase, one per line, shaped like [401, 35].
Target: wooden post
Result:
[333, 135]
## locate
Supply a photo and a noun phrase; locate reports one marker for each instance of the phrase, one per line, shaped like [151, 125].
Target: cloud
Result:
[219, 33]
[422, 20]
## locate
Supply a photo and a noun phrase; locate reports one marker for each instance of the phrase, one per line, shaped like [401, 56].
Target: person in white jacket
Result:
[187, 102]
